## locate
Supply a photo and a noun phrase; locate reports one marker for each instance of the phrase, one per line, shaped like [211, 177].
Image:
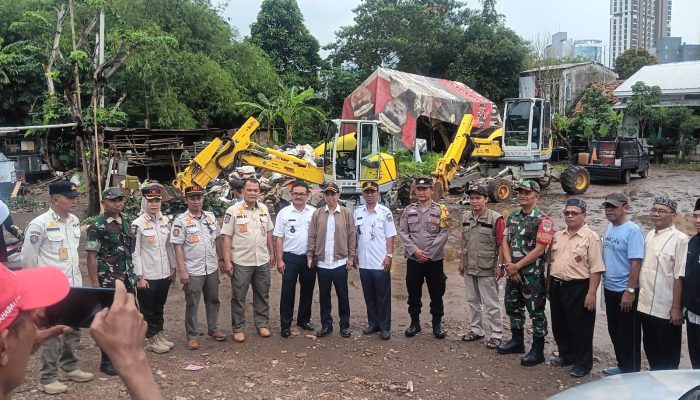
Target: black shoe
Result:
[535, 355]
[385, 335]
[324, 331]
[578, 372]
[370, 330]
[306, 326]
[513, 346]
[345, 332]
[106, 366]
[286, 332]
[438, 331]
[413, 328]
[561, 361]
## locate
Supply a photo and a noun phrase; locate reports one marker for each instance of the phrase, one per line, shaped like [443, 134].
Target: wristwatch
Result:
[630, 290]
[390, 255]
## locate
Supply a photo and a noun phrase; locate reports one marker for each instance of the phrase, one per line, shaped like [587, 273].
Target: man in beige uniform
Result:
[52, 240]
[248, 255]
[576, 263]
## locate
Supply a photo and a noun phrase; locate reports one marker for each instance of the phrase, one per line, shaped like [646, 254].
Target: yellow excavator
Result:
[346, 159]
[507, 155]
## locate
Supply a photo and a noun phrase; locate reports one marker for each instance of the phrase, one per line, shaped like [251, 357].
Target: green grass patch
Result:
[408, 168]
[684, 165]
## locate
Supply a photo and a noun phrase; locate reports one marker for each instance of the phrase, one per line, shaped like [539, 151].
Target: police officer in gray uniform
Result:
[424, 229]
[53, 239]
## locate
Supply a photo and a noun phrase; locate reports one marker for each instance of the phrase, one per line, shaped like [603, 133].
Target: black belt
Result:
[572, 282]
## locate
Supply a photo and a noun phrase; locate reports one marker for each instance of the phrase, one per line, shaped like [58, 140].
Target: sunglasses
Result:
[572, 213]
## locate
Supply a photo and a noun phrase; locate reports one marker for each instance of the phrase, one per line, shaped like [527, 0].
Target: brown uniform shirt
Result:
[576, 256]
[248, 228]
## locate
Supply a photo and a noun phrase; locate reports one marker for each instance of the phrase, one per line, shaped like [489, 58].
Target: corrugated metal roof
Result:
[556, 66]
[672, 78]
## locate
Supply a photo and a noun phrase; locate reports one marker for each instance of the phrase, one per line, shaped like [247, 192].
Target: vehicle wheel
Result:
[645, 172]
[575, 180]
[499, 190]
[544, 182]
[625, 176]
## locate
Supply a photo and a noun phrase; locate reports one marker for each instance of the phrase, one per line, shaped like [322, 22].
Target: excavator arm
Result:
[222, 153]
[448, 165]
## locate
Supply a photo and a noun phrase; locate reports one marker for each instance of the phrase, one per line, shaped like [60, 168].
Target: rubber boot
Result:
[437, 328]
[413, 328]
[106, 366]
[515, 345]
[536, 353]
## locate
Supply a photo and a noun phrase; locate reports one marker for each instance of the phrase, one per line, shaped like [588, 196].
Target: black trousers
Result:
[694, 344]
[662, 342]
[151, 303]
[296, 269]
[376, 287]
[572, 323]
[432, 273]
[625, 331]
[338, 278]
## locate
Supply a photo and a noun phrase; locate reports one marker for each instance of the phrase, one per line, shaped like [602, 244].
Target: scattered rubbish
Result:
[193, 367]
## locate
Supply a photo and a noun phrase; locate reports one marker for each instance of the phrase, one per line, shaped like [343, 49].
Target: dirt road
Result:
[366, 367]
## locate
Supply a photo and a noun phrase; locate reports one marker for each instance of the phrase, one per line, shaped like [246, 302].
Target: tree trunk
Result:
[90, 175]
[55, 53]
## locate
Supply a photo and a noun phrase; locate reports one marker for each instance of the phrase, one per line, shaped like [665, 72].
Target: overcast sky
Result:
[581, 19]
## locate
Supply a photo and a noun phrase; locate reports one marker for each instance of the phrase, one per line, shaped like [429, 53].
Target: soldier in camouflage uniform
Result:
[109, 251]
[528, 233]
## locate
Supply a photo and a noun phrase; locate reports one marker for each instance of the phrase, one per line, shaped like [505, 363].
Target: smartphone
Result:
[78, 309]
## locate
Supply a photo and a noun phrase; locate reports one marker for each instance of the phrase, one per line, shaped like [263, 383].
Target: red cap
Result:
[29, 289]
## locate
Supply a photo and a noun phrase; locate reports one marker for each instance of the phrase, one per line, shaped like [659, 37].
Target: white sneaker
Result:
[165, 341]
[154, 345]
[54, 387]
[76, 376]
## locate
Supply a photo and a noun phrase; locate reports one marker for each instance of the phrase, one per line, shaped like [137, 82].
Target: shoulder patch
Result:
[34, 239]
[227, 218]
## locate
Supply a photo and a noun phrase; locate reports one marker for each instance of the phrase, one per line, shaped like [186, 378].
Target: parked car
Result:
[618, 159]
[683, 384]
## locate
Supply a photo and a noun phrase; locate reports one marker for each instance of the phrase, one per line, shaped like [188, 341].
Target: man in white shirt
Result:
[660, 287]
[331, 248]
[375, 245]
[291, 235]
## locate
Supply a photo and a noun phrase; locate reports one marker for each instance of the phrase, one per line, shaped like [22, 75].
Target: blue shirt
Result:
[621, 245]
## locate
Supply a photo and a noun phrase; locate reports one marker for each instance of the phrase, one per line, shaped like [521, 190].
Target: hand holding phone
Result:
[78, 309]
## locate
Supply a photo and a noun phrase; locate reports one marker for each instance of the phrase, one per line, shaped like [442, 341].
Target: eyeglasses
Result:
[572, 213]
[661, 211]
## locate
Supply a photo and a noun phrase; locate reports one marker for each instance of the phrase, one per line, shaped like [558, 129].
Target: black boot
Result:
[515, 345]
[413, 328]
[437, 328]
[106, 366]
[536, 353]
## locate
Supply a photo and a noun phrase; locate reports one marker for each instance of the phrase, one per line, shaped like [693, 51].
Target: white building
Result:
[637, 24]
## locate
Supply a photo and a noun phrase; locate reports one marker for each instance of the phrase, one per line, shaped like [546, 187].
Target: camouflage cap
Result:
[112, 193]
[529, 185]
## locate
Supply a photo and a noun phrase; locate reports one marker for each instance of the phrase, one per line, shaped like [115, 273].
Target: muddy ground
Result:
[364, 367]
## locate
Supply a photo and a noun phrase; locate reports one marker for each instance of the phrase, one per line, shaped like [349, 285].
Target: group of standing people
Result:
[650, 284]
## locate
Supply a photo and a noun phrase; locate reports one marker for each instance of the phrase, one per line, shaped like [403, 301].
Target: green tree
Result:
[641, 105]
[632, 60]
[280, 31]
[596, 119]
[336, 84]
[413, 36]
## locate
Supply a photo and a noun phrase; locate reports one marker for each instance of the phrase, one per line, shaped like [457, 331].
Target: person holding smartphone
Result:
[154, 266]
[53, 239]
[108, 252]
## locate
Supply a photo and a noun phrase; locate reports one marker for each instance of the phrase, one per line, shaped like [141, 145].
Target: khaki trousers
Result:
[482, 291]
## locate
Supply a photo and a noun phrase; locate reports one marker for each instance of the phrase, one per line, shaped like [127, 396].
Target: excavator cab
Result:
[351, 155]
[527, 132]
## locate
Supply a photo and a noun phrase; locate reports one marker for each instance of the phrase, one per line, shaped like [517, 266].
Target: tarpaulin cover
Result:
[398, 99]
